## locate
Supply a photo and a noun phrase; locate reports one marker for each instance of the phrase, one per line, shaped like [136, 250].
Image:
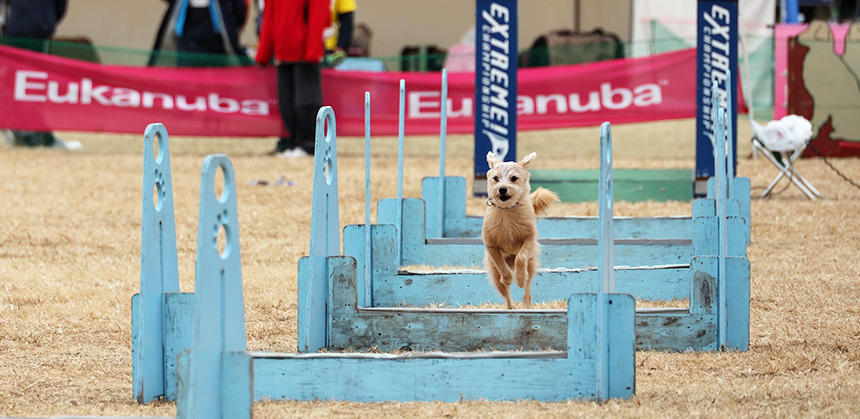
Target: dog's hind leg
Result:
[499, 273]
[521, 268]
[497, 281]
[524, 269]
[532, 267]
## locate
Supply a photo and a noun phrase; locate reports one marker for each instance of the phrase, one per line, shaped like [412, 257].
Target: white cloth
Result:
[787, 134]
[198, 3]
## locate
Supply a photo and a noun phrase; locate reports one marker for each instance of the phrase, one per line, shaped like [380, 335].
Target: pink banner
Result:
[56, 93]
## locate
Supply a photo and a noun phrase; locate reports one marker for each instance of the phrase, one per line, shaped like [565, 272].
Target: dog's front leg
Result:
[500, 273]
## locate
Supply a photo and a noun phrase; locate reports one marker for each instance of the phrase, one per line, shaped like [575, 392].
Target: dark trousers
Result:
[299, 99]
[34, 138]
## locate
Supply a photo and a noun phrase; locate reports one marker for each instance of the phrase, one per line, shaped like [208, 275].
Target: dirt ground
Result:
[70, 262]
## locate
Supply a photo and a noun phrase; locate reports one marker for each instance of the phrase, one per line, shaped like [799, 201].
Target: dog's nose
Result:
[503, 190]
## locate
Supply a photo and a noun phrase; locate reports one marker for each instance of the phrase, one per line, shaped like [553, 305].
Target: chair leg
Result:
[795, 156]
[788, 171]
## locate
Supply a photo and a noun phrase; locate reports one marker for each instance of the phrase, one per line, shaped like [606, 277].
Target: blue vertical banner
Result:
[716, 67]
[495, 85]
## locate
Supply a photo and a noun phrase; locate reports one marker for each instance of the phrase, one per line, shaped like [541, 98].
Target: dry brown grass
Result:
[69, 263]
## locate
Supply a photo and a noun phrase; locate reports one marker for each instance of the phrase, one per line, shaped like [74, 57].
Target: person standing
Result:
[201, 27]
[37, 20]
[339, 34]
[292, 34]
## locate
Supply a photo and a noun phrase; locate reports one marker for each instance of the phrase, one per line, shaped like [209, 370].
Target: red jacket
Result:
[293, 30]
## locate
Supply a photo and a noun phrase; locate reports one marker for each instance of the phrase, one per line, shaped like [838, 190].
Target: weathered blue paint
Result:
[418, 249]
[722, 198]
[325, 237]
[605, 263]
[606, 246]
[159, 273]
[393, 286]
[400, 145]
[218, 339]
[367, 251]
[217, 377]
[730, 145]
[546, 375]
[424, 329]
[458, 224]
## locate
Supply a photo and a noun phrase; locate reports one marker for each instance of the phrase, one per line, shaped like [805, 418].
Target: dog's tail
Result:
[542, 198]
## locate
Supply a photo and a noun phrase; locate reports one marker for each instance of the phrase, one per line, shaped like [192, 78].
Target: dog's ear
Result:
[491, 159]
[528, 159]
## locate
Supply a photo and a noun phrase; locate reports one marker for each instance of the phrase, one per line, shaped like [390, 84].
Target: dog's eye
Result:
[513, 178]
[496, 178]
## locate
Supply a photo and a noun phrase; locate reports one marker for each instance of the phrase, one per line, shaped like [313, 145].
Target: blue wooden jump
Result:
[364, 314]
[218, 377]
[448, 231]
[660, 267]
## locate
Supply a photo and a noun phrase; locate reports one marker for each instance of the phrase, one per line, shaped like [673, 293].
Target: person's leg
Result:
[287, 105]
[308, 102]
[34, 138]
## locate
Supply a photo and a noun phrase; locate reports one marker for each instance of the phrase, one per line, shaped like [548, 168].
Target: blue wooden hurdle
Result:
[388, 286]
[218, 377]
[661, 265]
[354, 321]
[159, 273]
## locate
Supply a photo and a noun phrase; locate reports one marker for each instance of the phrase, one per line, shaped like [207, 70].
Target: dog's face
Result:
[508, 182]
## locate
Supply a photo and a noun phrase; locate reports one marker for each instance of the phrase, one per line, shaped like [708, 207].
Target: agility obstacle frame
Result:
[218, 377]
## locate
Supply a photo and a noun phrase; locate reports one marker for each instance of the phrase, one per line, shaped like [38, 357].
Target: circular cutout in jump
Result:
[222, 241]
[220, 184]
[156, 148]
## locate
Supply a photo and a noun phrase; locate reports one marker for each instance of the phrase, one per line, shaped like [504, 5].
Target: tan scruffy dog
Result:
[510, 230]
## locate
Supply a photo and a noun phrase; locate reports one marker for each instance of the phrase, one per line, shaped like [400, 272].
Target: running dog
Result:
[510, 229]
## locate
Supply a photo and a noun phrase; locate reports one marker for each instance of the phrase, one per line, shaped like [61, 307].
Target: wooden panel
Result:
[546, 376]
[420, 330]
[179, 311]
[219, 318]
[676, 332]
[622, 346]
[325, 234]
[457, 224]
[571, 252]
[159, 272]
[448, 380]
[392, 289]
[494, 376]
[474, 288]
[738, 303]
[416, 329]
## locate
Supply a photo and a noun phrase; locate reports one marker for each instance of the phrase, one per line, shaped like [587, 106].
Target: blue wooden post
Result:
[368, 290]
[443, 132]
[218, 365]
[606, 265]
[400, 120]
[730, 150]
[720, 165]
[158, 266]
[325, 238]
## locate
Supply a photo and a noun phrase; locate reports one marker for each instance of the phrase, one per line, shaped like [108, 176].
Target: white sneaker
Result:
[10, 137]
[67, 144]
[293, 153]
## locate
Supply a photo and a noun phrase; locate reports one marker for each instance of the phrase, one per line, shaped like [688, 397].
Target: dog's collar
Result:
[490, 203]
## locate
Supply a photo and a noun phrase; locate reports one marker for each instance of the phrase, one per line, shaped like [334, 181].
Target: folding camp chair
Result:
[776, 140]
